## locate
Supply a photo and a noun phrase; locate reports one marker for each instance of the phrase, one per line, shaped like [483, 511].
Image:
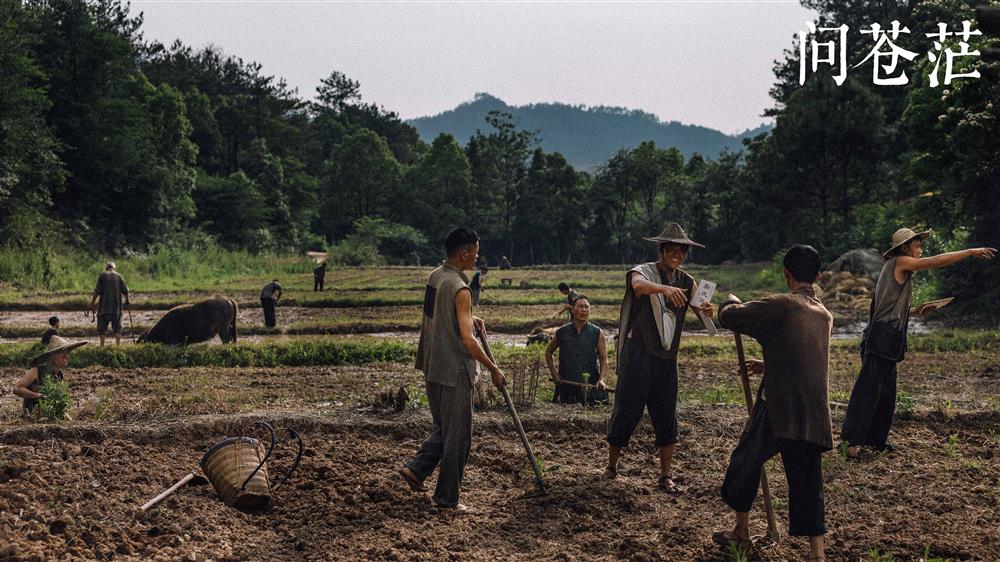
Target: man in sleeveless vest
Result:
[582, 351]
[657, 295]
[873, 399]
[792, 413]
[447, 354]
[47, 365]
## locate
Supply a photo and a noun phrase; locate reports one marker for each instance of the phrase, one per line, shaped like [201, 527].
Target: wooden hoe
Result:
[517, 420]
[772, 528]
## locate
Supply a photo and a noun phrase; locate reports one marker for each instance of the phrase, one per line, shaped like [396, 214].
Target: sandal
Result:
[610, 473]
[412, 481]
[727, 538]
[666, 483]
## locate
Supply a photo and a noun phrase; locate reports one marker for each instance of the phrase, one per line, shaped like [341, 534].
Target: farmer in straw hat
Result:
[447, 354]
[657, 295]
[873, 400]
[47, 365]
[792, 413]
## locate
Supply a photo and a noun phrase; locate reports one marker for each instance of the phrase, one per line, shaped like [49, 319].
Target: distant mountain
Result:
[586, 136]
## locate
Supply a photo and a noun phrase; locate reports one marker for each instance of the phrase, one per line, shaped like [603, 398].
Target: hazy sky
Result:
[700, 62]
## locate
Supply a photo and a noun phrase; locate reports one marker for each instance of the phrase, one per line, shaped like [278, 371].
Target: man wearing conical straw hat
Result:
[48, 364]
[657, 295]
[873, 400]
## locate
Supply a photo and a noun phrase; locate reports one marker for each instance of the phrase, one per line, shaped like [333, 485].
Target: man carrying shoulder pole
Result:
[447, 354]
[792, 412]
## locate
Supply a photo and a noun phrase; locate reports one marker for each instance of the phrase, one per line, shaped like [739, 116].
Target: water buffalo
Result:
[197, 322]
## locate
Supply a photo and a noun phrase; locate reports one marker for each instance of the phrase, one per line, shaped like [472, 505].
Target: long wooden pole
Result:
[584, 385]
[517, 421]
[146, 506]
[772, 527]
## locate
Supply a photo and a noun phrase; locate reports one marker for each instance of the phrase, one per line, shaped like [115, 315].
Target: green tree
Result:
[30, 170]
[363, 179]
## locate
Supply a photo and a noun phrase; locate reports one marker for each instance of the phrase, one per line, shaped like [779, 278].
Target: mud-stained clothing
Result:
[44, 372]
[451, 375]
[647, 370]
[578, 354]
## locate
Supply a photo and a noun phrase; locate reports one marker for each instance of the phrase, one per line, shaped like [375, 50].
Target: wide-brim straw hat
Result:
[57, 344]
[674, 233]
[902, 236]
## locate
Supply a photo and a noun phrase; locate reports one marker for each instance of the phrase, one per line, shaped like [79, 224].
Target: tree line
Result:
[111, 143]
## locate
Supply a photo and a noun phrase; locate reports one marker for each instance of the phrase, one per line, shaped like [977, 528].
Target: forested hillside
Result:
[110, 144]
[587, 137]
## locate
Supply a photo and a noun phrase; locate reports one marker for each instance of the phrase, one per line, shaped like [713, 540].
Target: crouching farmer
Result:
[447, 354]
[793, 416]
[47, 365]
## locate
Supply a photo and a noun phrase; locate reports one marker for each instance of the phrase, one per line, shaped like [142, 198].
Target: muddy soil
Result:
[73, 493]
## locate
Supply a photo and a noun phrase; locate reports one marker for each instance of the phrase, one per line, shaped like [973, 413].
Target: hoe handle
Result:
[517, 420]
[772, 527]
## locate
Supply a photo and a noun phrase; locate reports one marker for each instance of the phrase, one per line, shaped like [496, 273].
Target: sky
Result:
[701, 62]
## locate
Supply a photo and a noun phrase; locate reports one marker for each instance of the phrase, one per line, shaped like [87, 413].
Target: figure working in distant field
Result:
[269, 296]
[792, 412]
[476, 285]
[447, 354]
[583, 359]
[504, 262]
[52, 331]
[883, 344]
[319, 276]
[571, 296]
[111, 290]
[657, 295]
[47, 365]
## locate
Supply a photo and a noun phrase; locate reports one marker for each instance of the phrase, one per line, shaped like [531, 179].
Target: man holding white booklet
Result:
[657, 296]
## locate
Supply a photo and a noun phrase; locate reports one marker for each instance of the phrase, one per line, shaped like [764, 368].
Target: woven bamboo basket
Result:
[237, 469]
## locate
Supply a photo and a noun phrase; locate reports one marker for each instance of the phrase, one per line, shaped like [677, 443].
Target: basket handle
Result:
[266, 455]
[298, 457]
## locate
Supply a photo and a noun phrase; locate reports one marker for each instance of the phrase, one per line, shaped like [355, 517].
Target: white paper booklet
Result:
[702, 295]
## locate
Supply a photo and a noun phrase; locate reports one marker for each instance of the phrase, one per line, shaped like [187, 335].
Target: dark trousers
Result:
[270, 320]
[317, 284]
[449, 443]
[802, 470]
[646, 382]
[872, 404]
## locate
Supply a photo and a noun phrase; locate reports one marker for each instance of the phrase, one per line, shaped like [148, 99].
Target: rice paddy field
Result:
[338, 369]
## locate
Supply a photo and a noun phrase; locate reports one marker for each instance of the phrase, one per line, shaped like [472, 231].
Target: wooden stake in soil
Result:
[772, 528]
[517, 420]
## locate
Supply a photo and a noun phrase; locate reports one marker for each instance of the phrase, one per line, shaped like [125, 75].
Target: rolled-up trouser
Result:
[872, 404]
[646, 382]
[802, 470]
[449, 443]
[106, 318]
[270, 320]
